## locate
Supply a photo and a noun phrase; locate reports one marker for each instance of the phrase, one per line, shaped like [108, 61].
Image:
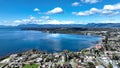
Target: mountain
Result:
[6, 27]
[89, 25]
[103, 25]
[49, 25]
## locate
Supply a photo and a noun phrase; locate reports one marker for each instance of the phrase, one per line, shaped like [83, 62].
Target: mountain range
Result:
[89, 25]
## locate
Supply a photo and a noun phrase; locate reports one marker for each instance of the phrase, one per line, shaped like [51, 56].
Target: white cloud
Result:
[81, 13]
[60, 22]
[56, 10]
[109, 21]
[90, 1]
[106, 10]
[36, 10]
[31, 17]
[17, 21]
[76, 4]
[112, 7]
[116, 13]
[94, 10]
[41, 20]
[23, 21]
[86, 13]
[46, 17]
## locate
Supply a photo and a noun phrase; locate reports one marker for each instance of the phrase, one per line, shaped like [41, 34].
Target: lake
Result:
[14, 40]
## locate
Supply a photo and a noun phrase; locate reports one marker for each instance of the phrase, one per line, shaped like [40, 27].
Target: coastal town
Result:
[105, 54]
[59, 33]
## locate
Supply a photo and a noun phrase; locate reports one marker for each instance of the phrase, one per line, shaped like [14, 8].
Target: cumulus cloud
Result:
[41, 20]
[23, 21]
[56, 10]
[89, 12]
[106, 10]
[90, 1]
[80, 13]
[30, 20]
[112, 7]
[76, 4]
[36, 10]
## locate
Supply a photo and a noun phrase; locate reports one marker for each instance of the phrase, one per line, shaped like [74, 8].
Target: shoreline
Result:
[105, 50]
[91, 46]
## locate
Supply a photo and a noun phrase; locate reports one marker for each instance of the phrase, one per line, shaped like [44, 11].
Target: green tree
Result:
[115, 57]
[110, 65]
[91, 65]
[119, 64]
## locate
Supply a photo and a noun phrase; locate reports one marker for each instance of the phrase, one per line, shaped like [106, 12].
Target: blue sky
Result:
[15, 12]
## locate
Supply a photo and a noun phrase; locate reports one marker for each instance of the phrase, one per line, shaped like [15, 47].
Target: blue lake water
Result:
[12, 41]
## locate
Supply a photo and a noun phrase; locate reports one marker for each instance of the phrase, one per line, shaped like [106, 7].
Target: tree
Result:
[119, 64]
[110, 65]
[115, 57]
[91, 65]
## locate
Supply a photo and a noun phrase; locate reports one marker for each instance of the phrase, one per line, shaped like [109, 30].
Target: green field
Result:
[31, 66]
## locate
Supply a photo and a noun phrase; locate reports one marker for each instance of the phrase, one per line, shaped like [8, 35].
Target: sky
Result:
[15, 12]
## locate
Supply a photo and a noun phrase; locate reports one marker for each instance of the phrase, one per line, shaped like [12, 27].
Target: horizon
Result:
[59, 12]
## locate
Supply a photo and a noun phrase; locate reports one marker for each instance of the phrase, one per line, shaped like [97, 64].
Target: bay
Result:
[15, 40]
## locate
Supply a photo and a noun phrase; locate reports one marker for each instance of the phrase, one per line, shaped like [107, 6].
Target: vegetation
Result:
[115, 57]
[110, 65]
[91, 65]
[119, 64]
[84, 51]
[31, 66]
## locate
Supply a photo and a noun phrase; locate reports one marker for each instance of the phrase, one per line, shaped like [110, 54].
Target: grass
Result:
[31, 66]
[0, 65]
